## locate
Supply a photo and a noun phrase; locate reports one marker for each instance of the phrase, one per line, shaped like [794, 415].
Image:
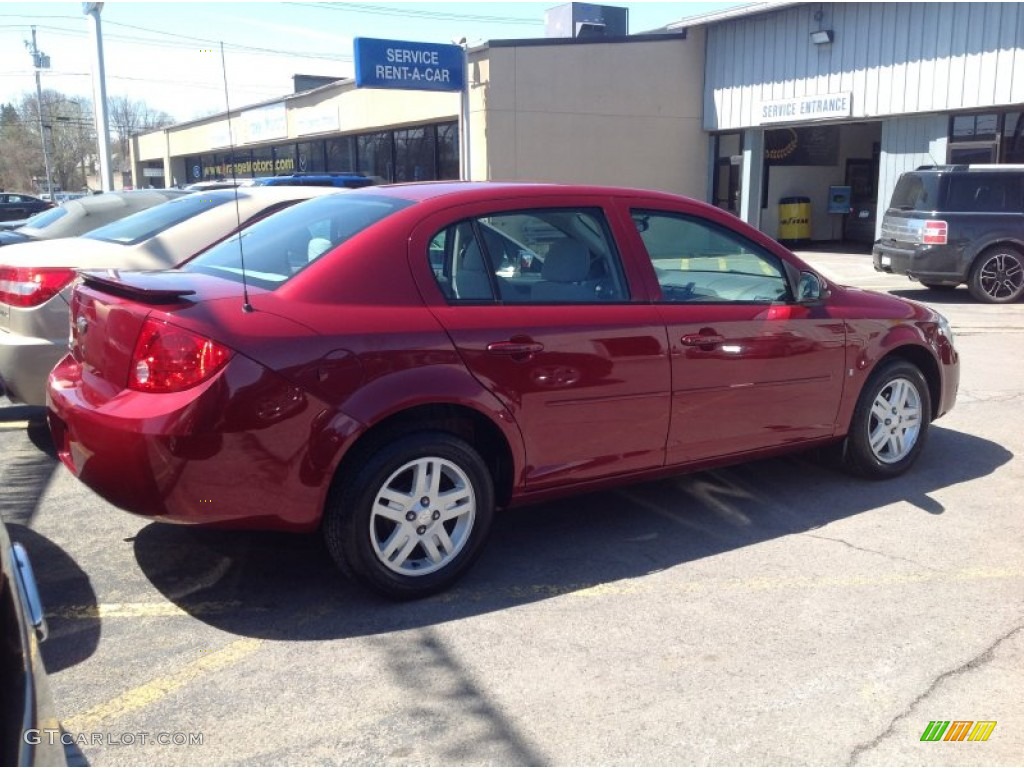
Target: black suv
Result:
[328, 179]
[948, 225]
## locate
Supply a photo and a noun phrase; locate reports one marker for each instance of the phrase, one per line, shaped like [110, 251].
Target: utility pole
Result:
[41, 61]
[99, 97]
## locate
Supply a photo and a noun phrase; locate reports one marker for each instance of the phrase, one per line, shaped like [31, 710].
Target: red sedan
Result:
[393, 364]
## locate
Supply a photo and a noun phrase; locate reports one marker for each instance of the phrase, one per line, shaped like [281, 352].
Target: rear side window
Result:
[916, 192]
[555, 256]
[152, 221]
[281, 245]
[981, 193]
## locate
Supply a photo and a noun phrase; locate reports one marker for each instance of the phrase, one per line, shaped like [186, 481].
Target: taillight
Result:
[169, 359]
[32, 286]
[934, 233]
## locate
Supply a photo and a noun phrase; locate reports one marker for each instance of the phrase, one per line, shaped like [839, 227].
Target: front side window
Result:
[556, 256]
[277, 247]
[702, 262]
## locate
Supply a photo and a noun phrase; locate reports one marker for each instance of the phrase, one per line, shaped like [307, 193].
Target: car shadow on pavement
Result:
[28, 466]
[285, 587]
[929, 296]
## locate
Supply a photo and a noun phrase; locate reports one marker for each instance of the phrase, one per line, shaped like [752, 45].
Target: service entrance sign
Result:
[407, 65]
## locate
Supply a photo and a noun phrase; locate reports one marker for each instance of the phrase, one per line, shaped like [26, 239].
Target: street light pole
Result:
[41, 61]
[99, 82]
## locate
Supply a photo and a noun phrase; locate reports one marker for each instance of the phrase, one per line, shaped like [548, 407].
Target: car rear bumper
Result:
[941, 264]
[24, 364]
[193, 456]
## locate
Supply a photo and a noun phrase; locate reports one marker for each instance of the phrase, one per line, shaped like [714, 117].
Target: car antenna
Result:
[246, 306]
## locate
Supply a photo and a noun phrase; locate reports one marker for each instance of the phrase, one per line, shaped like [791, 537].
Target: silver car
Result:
[36, 277]
[76, 217]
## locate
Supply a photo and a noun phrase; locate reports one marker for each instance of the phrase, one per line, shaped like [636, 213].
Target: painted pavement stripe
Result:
[157, 688]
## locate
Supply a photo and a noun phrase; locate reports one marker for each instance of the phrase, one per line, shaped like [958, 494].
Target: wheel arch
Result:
[486, 437]
[921, 358]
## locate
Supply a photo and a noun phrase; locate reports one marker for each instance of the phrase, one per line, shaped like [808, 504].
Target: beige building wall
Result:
[622, 113]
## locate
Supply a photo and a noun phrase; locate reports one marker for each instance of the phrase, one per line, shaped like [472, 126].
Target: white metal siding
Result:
[896, 58]
[907, 143]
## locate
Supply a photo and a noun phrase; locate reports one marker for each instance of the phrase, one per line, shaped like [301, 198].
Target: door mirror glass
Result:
[810, 288]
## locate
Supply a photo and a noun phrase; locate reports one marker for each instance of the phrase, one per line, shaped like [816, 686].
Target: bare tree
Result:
[69, 135]
[128, 117]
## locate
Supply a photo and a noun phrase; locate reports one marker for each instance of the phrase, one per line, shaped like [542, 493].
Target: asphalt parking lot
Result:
[772, 613]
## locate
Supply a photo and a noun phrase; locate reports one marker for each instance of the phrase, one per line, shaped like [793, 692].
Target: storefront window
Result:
[986, 138]
[284, 159]
[263, 161]
[375, 155]
[1013, 138]
[448, 151]
[311, 157]
[341, 154]
[975, 127]
[414, 155]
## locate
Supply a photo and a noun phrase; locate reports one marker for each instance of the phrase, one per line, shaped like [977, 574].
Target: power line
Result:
[418, 14]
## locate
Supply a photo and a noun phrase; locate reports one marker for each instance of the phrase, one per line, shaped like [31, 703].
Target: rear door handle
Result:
[702, 339]
[515, 347]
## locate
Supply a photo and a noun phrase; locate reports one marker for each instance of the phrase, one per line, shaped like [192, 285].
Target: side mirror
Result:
[810, 288]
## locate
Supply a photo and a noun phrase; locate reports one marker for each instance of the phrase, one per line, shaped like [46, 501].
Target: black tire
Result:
[893, 457]
[359, 529]
[997, 276]
[938, 286]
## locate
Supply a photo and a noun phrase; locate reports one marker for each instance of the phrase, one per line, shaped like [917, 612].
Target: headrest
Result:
[567, 261]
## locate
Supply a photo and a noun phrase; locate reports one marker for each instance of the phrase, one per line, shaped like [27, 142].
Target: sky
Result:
[168, 54]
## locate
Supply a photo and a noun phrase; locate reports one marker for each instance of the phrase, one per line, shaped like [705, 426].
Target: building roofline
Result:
[742, 11]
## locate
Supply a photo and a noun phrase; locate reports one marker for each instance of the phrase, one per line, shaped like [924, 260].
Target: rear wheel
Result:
[890, 422]
[997, 276]
[414, 517]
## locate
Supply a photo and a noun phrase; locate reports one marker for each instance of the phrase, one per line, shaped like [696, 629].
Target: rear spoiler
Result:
[140, 286]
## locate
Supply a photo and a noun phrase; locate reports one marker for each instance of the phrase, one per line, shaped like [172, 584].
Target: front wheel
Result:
[997, 276]
[890, 422]
[414, 517]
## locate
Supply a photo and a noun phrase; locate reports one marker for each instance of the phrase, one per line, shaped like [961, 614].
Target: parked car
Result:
[326, 179]
[80, 215]
[36, 277]
[18, 206]
[948, 225]
[29, 729]
[398, 385]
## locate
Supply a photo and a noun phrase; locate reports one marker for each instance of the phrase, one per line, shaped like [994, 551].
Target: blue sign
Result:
[406, 65]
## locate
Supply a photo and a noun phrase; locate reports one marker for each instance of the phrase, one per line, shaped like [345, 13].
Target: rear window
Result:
[152, 221]
[46, 218]
[281, 245]
[916, 192]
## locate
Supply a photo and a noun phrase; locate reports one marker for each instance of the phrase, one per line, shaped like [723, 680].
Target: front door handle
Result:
[702, 339]
[515, 348]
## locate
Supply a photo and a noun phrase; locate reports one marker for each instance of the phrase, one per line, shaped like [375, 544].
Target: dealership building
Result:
[821, 102]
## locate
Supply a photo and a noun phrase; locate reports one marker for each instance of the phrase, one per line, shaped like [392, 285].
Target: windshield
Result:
[152, 221]
[279, 246]
[916, 192]
[46, 218]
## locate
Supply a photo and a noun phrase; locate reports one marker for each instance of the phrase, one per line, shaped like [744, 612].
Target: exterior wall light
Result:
[822, 37]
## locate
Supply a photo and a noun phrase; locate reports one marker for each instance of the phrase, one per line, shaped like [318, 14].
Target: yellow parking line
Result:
[156, 689]
[139, 610]
[15, 424]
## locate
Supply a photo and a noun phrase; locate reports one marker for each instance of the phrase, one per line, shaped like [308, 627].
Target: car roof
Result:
[461, 192]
